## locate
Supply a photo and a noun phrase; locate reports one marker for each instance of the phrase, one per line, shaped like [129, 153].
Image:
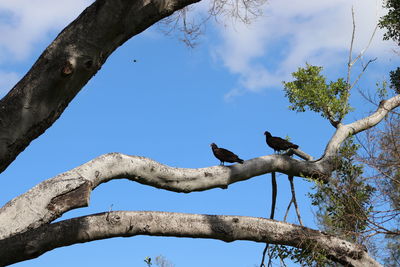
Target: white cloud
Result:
[293, 32]
[7, 81]
[233, 93]
[25, 22]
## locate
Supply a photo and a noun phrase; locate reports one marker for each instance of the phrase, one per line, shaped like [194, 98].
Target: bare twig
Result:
[294, 199]
[272, 214]
[349, 64]
[287, 209]
[366, 48]
[362, 72]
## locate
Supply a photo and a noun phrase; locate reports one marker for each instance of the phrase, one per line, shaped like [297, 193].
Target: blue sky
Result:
[173, 102]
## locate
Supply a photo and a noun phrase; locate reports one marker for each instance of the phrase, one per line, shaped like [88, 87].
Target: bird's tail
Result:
[295, 146]
[240, 161]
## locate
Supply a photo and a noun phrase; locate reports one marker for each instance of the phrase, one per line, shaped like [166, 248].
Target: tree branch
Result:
[68, 63]
[226, 228]
[53, 197]
[274, 187]
[294, 200]
[345, 130]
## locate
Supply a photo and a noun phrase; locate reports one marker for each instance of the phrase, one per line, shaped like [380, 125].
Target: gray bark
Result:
[226, 228]
[344, 131]
[51, 198]
[42, 95]
[68, 63]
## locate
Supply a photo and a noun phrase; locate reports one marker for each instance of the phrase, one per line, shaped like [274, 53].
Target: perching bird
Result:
[277, 143]
[225, 155]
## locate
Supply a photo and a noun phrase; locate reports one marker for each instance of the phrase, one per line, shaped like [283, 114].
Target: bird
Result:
[277, 143]
[224, 155]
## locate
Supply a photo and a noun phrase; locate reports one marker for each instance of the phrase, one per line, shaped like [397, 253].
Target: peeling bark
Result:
[226, 228]
[68, 63]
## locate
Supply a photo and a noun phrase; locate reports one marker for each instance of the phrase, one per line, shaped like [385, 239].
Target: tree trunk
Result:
[68, 63]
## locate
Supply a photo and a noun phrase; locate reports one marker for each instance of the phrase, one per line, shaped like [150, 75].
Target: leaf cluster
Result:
[395, 80]
[391, 21]
[310, 90]
[393, 251]
[345, 204]
[387, 161]
[303, 257]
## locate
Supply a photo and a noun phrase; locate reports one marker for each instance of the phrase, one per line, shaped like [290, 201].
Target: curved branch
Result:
[225, 228]
[344, 131]
[53, 197]
[68, 63]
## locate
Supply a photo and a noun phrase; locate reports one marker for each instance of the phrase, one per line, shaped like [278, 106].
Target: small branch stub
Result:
[67, 69]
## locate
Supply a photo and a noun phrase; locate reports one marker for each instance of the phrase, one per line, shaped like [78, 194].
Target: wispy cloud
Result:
[293, 32]
[7, 80]
[25, 22]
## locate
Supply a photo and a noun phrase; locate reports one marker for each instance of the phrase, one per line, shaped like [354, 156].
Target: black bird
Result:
[224, 155]
[277, 143]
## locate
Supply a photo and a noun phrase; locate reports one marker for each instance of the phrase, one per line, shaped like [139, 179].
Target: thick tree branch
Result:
[53, 197]
[344, 131]
[226, 228]
[68, 63]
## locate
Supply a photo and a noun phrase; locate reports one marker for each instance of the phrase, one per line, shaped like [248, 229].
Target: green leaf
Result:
[309, 90]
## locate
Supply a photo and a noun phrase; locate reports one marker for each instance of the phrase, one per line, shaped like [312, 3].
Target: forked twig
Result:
[351, 62]
[294, 199]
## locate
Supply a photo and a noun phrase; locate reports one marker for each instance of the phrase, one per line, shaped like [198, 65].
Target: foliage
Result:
[381, 89]
[160, 261]
[391, 21]
[388, 158]
[344, 204]
[303, 257]
[393, 251]
[310, 90]
[395, 80]
[387, 161]
[147, 260]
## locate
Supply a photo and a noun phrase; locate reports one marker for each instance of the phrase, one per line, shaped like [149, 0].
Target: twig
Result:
[362, 72]
[365, 49]
[287, 210]
[299, 153]
[349, 64]
[272, 214]
[294, 199]
[107, 217]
